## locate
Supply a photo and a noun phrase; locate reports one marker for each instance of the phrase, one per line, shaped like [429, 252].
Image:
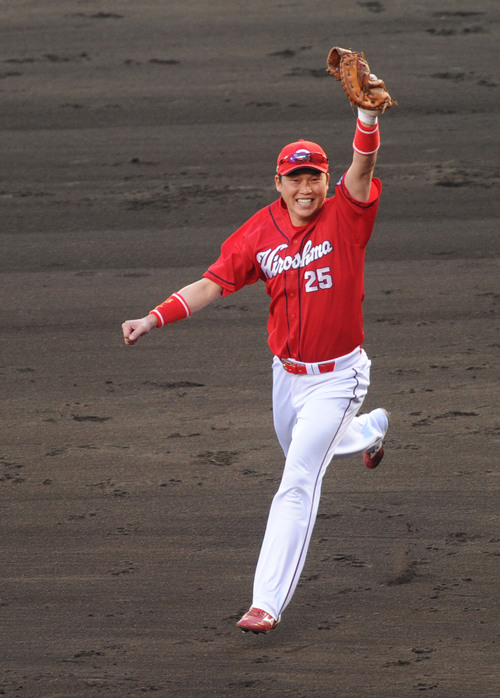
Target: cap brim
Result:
[287, 168]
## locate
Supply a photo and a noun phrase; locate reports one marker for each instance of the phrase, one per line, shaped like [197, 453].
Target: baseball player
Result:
[309, 250]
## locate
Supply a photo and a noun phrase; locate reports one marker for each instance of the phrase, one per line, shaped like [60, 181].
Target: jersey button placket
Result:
[293, 277]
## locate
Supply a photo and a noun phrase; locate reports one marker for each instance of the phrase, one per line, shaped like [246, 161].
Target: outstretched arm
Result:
[358, 178]
[188, 300]
[200, 294]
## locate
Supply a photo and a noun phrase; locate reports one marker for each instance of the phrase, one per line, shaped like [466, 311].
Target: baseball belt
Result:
[315, 369]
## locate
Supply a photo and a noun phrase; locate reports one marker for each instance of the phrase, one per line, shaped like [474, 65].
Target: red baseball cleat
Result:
[372, 458]
[257, 621]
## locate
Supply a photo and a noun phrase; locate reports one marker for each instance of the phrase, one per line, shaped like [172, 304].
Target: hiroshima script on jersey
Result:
[271, 263]
[313, 275]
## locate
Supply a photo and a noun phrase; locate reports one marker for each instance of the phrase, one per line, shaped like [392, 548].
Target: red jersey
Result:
[314, 275]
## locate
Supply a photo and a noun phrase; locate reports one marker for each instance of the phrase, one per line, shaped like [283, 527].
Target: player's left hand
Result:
[361, 86]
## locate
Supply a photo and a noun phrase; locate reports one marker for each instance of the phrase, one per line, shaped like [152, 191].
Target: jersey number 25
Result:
[319, 279]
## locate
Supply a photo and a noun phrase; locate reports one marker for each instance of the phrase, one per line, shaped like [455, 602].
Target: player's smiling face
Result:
[303, 192]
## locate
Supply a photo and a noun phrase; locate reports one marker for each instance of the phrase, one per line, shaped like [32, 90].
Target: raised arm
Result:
[358, 178]
[180, 305]
[370, 95]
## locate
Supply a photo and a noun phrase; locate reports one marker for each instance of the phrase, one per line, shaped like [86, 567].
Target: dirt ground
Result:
[135, 481]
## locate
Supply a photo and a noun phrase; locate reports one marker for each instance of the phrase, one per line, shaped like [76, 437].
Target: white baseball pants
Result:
[315, 420]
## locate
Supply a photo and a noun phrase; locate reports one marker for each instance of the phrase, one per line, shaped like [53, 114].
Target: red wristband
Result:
[173, 309]
[366, 139]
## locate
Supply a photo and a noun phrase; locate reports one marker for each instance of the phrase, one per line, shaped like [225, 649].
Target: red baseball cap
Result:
[301, 154]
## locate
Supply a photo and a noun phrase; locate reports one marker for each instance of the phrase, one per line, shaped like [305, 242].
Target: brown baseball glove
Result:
[363, 89]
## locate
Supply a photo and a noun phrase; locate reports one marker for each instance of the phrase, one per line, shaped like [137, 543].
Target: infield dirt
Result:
[136, 481]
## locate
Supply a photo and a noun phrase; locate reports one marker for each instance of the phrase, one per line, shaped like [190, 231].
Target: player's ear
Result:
[277, 181]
